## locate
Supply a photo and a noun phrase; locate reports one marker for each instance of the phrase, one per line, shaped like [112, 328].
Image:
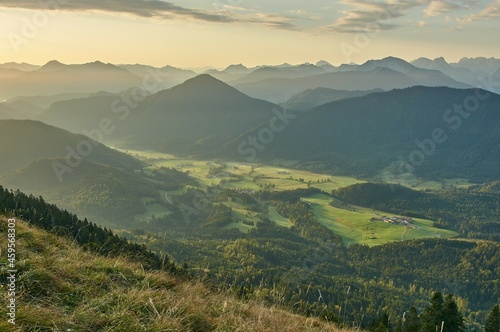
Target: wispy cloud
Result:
[439, 7]
[491, 11]
[155, 9]
[366, 16]
[369, 15]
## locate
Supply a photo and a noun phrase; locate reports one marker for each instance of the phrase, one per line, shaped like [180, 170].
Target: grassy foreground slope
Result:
[60, 287]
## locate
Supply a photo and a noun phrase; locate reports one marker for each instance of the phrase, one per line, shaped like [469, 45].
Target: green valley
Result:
[351, 222]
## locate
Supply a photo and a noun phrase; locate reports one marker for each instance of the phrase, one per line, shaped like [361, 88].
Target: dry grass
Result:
[62, 288]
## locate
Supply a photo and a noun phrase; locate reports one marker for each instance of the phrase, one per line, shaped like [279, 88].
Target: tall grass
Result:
[62, 288]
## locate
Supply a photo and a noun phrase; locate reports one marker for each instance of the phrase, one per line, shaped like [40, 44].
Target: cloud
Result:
[438, 7]
[298, 12]
[368, 16]
[422, 24]
[491, 11]
[151, 9]
[372, 16]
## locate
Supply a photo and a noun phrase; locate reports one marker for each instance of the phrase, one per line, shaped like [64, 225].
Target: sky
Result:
[217, 33]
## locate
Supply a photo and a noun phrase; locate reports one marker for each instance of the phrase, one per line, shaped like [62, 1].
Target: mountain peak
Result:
[99, 65]
[203, 78]
[390, 62]
[323, 63]
[394, 59]
[236, 69]
[204, 85]
[53, 65]
[440, 60]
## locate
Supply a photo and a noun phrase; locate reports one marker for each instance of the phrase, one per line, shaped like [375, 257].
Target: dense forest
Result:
[304, 268]
[307, 268]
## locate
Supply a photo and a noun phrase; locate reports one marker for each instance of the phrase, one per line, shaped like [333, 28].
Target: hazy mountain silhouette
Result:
[19, 66]
[457, 73]
[426, 77]
[55, 77]
[46, 101]
[168, 76]
[312, 98]
[279, 90]
[25, 141]
[199, 115]
[19, 109]
[388, 73]
[361, 136]
[479, 64]
[291, 72]
[6, 73]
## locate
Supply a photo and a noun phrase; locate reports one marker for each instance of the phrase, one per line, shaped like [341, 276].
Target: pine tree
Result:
[493, 321]
[412, 321]
[454, 321]
[433, 315]
[382, 324]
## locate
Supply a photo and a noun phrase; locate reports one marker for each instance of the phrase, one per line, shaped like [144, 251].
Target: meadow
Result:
[352, 223]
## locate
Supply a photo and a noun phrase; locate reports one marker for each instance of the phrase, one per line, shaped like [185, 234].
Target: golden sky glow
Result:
[201, 33]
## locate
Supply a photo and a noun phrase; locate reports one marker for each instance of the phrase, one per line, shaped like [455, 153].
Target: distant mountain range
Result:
[55, 77]
[353, 126]
[275, 83]
[387, 74]
[428, 129]
[197, 116]
[312, 98]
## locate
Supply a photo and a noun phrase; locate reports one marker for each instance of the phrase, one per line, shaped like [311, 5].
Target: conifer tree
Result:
[454, 321]
[433, 316]
[412, 321]
[493, 321]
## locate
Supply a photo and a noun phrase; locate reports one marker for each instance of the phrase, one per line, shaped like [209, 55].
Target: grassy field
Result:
[353, 224]
[156, 210]
[277, 218]
[247, 175]
[350, 222]
[389, 175]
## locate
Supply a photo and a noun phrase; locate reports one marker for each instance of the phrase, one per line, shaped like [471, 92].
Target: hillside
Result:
[101, 184]
[23, 142]
[93, 191]
[291, 72]
[7, 112]
[361, 136]
[197, 116]
[62, 287]
[312, 98]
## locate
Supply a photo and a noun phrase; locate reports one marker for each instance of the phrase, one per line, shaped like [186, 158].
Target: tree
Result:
[381, 324]
[442, 315]
[454, 321]
[412, 321]
[493, 321]
[433, 315]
